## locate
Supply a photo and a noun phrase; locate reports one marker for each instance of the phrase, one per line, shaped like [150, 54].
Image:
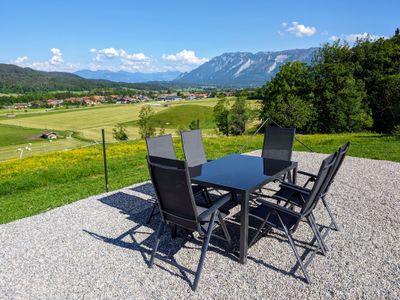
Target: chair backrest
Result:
[193, 148]
[338, 163]
[320, 184]
[278, 143]
[161, 146]
[171, 182]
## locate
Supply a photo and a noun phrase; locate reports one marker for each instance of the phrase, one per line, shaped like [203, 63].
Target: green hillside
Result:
[14, 79]
[180, 116]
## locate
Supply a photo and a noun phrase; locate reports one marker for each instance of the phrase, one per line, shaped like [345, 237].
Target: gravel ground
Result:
[99, 248]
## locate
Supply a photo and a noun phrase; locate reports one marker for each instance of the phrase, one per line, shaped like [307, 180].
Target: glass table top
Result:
[240, 172]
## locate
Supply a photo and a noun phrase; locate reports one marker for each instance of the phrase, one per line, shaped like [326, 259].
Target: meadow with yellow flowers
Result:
[41, 182]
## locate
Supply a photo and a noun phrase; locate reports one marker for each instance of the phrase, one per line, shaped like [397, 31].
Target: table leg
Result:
[244, 226]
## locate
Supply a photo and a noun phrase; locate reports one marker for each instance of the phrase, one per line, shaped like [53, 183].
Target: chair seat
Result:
[197, 188]
[262, 211]
[204, 225]
[290, 195]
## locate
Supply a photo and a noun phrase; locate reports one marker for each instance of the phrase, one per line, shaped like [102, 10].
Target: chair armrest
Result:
[307, 174]
[220, 202]
[278, 207]
[296, 188]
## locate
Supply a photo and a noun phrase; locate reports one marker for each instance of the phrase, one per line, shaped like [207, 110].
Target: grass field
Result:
[41, 147]
[14, 135]
[87, 122]
[181, 116]
[39, 183]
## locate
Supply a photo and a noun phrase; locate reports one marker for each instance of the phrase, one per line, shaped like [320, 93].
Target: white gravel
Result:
[99, 248]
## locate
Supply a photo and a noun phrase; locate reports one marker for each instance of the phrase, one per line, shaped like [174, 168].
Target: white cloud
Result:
[353, 37]
[20, 60]
[110, 53]
[334, 38]
[284, 24]
[300, 30]
[183, 61]
[54, 63]
[119, 59]
[56, 58]
[185, 56]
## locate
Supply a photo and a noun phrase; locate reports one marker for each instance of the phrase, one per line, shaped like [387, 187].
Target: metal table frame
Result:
[244, 195]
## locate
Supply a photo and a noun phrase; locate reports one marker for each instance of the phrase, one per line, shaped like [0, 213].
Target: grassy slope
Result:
[89, 121]
[14, 135]
[41, 147]
[39, 183]
[182, 116]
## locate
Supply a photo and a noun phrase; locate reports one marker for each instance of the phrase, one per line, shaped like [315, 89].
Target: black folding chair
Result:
[287, 220]
[288, 192]
[193, 148]
[278, 144]
[162, 146]
[177, 205]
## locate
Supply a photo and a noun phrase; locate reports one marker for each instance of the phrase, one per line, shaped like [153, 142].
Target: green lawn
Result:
[14, 135]
[180, 116]
[39, 183]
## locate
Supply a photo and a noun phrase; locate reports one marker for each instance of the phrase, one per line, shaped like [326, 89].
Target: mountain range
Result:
[122, 76]
[236, 69]
[243, 69]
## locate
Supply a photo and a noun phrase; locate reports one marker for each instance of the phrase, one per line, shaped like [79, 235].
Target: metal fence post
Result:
[104, 158]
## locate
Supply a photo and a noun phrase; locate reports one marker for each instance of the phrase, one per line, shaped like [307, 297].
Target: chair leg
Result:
[320, 241]
[259, 230]
[335, 226]
[151, 213]
[225, 229]
[289, 236]
[318, 233]
[204, 248]
[158, 236]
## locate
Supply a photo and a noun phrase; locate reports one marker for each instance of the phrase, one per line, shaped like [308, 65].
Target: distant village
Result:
[111, 99]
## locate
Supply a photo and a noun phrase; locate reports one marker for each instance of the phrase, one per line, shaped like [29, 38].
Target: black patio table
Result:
[241, 175]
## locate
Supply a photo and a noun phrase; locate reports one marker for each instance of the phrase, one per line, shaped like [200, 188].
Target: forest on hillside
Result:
[14, 79]
[345, 89]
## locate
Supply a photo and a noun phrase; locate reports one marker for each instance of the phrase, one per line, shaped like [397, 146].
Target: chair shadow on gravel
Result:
[142, 236]
[307, 246]
[137, 210]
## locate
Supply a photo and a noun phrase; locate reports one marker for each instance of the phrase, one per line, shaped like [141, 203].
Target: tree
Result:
[146, 127]
[238, 117]
[339, 99]
[221, 115]
[386, 107]
[288, 97]
[194, 125]
[119, 132]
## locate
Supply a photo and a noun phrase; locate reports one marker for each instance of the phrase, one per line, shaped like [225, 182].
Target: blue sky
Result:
[176, 35]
